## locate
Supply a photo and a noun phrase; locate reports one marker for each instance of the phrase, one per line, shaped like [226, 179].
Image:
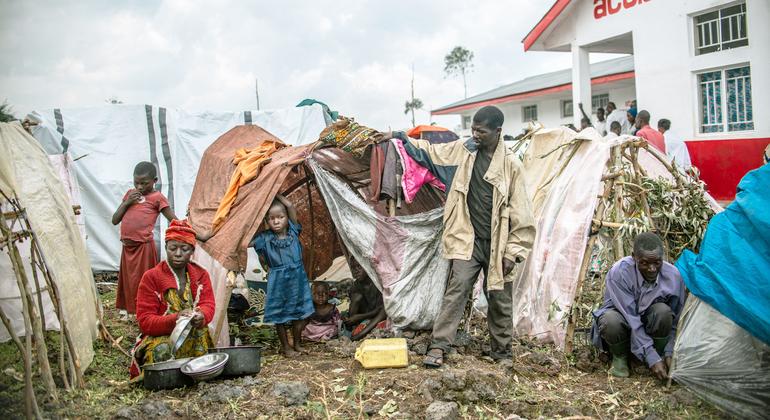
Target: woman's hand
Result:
[184, 312]
[197, 319]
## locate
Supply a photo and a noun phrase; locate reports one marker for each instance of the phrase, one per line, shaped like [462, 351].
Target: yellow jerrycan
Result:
[378, 353]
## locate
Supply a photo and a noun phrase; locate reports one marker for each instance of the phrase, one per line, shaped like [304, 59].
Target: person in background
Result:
[631, 118]
[676, 149]
[601, 123]
[643, 299]
[584, 123]
[136, 215]
[323, 324]
[614, 130]
[615, 114]
[367, 308]
[643, 130]
[173, 289]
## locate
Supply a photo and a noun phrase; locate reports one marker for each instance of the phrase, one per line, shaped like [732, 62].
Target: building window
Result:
[529, 113]
[566, 108]
[466, 122]
[721, 29]
[600, 101]
[725, 100]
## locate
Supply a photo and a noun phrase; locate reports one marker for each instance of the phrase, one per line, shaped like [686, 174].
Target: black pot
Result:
[166, 375]
[244, 360]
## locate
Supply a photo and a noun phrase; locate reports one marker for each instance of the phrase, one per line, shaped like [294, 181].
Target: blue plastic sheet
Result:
[732, 271]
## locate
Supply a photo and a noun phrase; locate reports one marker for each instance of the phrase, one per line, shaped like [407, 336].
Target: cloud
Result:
[356, 56]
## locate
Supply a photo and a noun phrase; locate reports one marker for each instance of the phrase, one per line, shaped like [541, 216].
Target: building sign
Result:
[604, 8]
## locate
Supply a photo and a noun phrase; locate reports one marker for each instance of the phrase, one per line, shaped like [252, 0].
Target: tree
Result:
[415, 103]
[113, 100]
[6, 113]
[459, 61]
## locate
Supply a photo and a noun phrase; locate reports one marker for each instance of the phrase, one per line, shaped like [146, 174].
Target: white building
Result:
[700, 63]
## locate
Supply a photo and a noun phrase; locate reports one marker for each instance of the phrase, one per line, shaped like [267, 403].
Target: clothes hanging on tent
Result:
[248, 164]
[386, 171]
[415, 175]
[731, 271]
[349, 136]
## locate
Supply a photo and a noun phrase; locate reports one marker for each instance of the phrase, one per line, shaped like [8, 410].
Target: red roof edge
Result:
[553, 89]
[544, 23]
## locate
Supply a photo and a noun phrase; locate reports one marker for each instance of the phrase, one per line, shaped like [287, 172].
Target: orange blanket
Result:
[248, 164]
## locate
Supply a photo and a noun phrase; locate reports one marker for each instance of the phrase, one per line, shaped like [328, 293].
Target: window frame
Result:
[723, 105]
[562, 104]
[465, 122]
[597, 98]
[715, 29]
[524, 109]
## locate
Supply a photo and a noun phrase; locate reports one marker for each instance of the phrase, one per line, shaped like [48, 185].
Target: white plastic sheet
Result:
[402, 255]
[721, 362]
[111, 139]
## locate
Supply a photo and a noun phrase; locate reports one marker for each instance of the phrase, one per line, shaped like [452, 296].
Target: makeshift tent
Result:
[108, 141]
[290, 173]
[433, 134]
[53, 276]
[722, 351]
[590, 196]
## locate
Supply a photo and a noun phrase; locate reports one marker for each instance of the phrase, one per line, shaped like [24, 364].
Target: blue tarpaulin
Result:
[732, 271]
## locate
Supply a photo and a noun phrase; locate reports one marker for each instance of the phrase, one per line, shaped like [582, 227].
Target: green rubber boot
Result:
[619, 360]
[660, 344]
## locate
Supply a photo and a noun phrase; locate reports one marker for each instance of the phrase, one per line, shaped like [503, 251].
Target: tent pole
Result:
[312, 223]
[30, 402]
[31, 319]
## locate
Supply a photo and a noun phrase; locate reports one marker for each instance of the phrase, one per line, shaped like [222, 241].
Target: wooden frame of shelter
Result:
[624, 210]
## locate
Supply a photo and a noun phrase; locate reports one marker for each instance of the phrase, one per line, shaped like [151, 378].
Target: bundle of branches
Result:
[676, 207]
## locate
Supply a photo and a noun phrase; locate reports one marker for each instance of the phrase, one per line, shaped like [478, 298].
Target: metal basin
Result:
[206, 367]
[166, 375]
[244, 360]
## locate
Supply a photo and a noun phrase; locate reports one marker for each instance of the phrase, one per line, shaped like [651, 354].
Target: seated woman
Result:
[324, 323]
[367, 309]
[172, 289]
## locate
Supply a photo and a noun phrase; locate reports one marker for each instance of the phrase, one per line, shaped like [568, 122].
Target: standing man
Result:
[643, 130]
[643, 298]
[676, 149]
[601, 123]
[488, 227]
[615, 114]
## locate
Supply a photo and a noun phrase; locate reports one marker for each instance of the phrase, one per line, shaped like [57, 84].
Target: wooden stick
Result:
[76, 372]
[311, 258]
[31, 319]
[30, 401]
[568, 342]
[39, 290]
[619, 212]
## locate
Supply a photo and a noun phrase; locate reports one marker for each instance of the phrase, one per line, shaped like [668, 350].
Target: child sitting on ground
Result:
[367, 309]
[137, 214]
[324, 323]
[288, 297]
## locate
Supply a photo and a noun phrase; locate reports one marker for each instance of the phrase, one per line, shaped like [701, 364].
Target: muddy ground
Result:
[539, 383]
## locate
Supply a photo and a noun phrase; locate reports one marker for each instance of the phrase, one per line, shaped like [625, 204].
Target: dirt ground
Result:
[327, 383]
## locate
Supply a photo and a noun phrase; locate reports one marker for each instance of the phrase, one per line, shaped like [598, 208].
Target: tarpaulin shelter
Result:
[581, 213]
[432, 133]
[107, 141]
[722, 352]
[42, 254]
[310, 176]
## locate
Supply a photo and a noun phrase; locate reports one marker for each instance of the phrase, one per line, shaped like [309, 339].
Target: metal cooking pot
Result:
[166, 375]
[244, 360]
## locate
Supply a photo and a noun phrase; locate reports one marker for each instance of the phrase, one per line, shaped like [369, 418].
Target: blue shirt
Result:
[627, 292]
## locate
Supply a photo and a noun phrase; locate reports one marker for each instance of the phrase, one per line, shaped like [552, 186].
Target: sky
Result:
[356, 56]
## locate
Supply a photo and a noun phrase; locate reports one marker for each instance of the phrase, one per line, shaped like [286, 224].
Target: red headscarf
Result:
[180, 230]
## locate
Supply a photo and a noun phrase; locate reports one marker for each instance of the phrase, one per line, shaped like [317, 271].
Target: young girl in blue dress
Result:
[288, 292]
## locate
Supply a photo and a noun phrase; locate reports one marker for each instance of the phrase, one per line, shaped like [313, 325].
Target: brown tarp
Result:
[285, 174]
